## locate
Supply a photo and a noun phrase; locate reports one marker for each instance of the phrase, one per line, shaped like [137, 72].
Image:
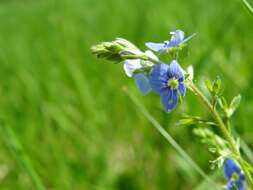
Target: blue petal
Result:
[182, 89]
[176, 71]
[159, 78]
[177, 37]
[170, 44]
[169, 99]
[142, 83]
[242, 176]
[231, 167]
[239, 185]
[155, 46]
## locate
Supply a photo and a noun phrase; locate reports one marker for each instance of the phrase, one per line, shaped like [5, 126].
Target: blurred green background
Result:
[78, 128]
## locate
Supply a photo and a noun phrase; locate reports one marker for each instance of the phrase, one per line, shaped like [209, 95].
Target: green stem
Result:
[225, 132]
[17, 149]
[142, 57]
[170, 139]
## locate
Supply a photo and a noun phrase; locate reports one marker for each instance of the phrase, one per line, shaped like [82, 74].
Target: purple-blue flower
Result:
[168, 81]
[130, 66]
[177, 39]
[234, 175]
[142, 82]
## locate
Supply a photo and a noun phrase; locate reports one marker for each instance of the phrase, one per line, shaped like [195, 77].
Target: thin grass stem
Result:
[170, 139]
[17, 150]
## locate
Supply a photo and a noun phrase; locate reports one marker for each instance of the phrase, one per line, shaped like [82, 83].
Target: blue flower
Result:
[142, 82]
[168, 81]
[132, 65]
[176, 40]
[234, 175]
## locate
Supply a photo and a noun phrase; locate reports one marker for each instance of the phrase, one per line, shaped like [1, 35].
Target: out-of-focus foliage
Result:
[69, 112]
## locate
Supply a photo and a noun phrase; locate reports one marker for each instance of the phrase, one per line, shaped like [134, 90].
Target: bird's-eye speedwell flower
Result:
[131, 66]
[168, 81]
[234, 175]
[176, 40]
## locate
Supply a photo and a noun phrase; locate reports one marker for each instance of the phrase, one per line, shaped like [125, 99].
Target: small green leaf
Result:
[190, 120]
[186, 121]
[223, 103]
[209, 86]
[234, 105]
[235, 102]
[216, 86]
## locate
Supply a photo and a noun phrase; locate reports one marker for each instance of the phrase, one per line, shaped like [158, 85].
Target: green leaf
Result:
[186, 121]
[190, 120]
[209, 86]
[216, 86]
[234, 105]
[223, 103]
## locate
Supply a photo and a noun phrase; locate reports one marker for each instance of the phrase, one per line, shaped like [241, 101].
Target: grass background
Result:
[77, 127]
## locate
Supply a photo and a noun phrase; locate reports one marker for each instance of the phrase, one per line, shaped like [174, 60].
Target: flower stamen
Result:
[173, 83]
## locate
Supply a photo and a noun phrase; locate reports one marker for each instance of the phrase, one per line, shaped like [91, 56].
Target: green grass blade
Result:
[169, 138]
[17, 150]
[248, 6]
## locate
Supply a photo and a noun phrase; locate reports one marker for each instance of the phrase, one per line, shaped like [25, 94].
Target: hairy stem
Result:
[226, 133]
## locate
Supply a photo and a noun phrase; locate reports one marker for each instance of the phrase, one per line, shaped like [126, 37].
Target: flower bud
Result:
[117, 50]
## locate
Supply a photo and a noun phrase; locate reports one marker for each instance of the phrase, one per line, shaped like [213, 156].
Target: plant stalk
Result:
[226, 133]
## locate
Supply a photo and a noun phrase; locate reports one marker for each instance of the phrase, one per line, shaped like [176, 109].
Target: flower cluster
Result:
[148, 71]
[170, 81]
